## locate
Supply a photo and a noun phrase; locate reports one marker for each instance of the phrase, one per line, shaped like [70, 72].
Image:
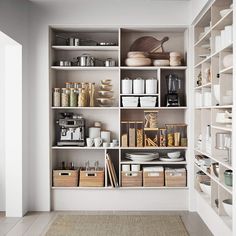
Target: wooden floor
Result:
[37, 223]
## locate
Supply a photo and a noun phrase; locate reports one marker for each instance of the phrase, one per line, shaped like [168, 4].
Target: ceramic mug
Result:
[105, 144]
[115, 142]
[90, 142]
[97, 142]
[112, 144]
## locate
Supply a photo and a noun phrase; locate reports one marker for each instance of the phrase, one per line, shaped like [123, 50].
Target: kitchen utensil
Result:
[173, 155]
[94, 132]
[138, 62]
[148, 44]
[106, 136]
[109, 62]
[228, 60]
[228, 176]
[71, 41]
[86, 60]
[64, 63]
[142, 157]
[215, 169]
[224, 12]
[227, 204]
[161, 62]
[127, 86]
[112, 144]
[90, 142]
[138, 86]
[151, 86]
[166, 159]
[173, 84]
[115, 141]
[206, 187]
[97, 142]
[107, 44]
[135, 167]
[105, 144]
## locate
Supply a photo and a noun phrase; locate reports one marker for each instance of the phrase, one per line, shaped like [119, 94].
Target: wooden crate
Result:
[153, 178]
[65, 178]
[175, 177]
[131, 178]
[91, 178]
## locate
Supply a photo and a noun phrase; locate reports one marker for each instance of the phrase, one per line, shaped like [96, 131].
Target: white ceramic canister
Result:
[151, 86]
[228, 34]
[106, 136]
[138, 85]
[127, 86]
[94, 132]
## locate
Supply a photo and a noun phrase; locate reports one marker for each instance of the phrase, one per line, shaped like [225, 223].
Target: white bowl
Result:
[161, 62]
[224, 12]
[173, 155]
[138, 61]
[227, 204]
[206, 187]
[228, 60]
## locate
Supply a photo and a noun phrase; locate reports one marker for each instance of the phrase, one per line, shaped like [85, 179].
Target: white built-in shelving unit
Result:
[205, 114]
[111, 117]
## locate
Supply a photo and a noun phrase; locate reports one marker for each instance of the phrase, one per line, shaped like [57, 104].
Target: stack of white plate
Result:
[142, 156]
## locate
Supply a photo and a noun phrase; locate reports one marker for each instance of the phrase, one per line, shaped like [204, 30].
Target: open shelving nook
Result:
[211, 47]
[111, 117]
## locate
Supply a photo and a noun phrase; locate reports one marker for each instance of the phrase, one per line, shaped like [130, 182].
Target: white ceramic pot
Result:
[94, 132]
[106, 136]
[228, 60]
[151, 86]
[138, 85]
[127, 86]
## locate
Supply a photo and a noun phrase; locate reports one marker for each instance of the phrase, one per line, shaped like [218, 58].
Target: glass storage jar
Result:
[65, 97]
[124, 133]
[73, 97]
[82, 99]
[139, 133]
[170, 135]
[131, 134]
[162, 138]
[56, 97]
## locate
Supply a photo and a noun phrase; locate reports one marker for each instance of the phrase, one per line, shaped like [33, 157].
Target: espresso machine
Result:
[173, 84]
[72, 130]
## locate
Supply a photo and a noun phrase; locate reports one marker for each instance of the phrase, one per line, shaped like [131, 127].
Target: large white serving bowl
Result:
[227, 204]
[173, 155]
[206, 187]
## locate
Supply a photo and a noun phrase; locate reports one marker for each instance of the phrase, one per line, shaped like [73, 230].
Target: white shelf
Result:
[228, 70]
[203, 61]
[154, 162]
[84, 68]
[205, 37]
[153, 148]
[154, 108]
[222, 128]
[86, 48]
[81, 148]
[224, 21]
[139, 94]
[84, 108]
[222, 107]
[153, 67]
[208, 85]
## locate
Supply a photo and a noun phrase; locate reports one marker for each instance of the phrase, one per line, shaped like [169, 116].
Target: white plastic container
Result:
[148, 101]
[130, 101]
[127, 86]
[151, 86]
[138, 86]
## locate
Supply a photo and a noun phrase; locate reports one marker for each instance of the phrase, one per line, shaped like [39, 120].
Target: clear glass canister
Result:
[162, 137]
[65, 97]
[73, 97]
[124, 133]
[82, 99]
[56, 97]
[170, 135]
[68, 85]
[131, 134]
[139, 133]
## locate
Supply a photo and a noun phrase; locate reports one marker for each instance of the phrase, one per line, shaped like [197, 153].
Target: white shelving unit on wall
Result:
[214, 90]
[111, 117]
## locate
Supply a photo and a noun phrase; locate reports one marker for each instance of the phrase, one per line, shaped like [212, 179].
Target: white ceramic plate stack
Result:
[106, 94]
[142, 156]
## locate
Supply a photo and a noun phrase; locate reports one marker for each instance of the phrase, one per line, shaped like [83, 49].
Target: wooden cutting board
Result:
[148, 44]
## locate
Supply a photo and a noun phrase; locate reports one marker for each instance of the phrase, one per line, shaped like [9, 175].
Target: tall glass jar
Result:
[73, 97]
[124, 133]
[56, 97]
[139, 133]
[82, 101]
[65, 97]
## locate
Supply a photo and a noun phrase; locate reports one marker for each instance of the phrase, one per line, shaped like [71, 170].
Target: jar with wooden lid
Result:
[65, 97]
[77, 85]
[139, 133]
[56, 97]
[82, 99]
[73, 97]
[69, 85]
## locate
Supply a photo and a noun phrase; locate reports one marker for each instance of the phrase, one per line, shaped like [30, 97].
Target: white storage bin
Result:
[130, 101]
[148, 101]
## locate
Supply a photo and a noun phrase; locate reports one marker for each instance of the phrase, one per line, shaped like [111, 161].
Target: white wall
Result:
[196, 7]
[14, 23]
[80, 12]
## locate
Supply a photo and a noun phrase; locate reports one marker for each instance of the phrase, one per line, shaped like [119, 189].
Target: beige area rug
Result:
[117, 225]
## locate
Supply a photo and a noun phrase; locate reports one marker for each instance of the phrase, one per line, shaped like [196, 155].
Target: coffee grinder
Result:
[173, 84]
